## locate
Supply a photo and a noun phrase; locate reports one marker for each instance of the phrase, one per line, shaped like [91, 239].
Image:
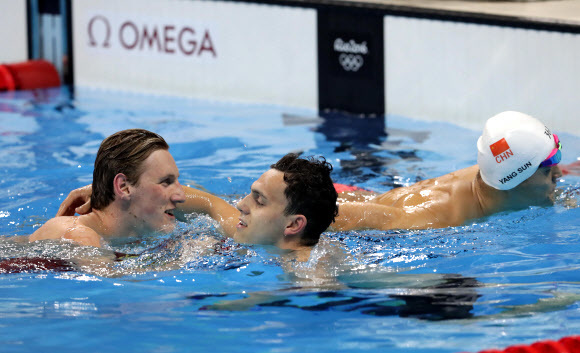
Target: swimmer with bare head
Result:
[135, 192]
[289, 206]
[517, 167]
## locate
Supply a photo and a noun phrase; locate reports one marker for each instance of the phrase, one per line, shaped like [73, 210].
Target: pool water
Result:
[508, 279]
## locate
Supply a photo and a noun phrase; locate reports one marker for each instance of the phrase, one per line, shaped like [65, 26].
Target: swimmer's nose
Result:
[556, 172]
[242, 205]
[179, 195]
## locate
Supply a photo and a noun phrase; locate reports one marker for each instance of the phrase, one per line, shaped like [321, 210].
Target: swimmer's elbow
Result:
[228, 226]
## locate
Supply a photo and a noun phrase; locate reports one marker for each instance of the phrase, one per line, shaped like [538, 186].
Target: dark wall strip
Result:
[350, 61]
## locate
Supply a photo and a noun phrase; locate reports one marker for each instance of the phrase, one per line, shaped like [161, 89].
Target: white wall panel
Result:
[466, 73]
[13, 42]
[262, 53]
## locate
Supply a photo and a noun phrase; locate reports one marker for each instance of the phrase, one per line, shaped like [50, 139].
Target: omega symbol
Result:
[107, 27]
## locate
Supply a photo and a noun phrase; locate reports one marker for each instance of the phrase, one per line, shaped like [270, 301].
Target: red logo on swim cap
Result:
[499, 147]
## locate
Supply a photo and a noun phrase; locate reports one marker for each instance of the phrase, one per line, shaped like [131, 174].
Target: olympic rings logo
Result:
[351, 62]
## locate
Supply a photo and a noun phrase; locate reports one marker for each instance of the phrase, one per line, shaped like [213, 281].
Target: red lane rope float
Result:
[6, 79]
[342, 188]
[569, 344]
[33, 265]
[28, 75]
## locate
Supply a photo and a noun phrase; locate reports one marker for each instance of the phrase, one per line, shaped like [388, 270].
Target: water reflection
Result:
[435, 297]
[367, 148]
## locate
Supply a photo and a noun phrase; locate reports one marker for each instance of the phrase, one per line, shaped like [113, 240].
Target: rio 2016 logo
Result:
[351, 54]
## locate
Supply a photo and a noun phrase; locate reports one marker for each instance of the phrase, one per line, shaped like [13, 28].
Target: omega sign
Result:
[351, 53]
[166, 38]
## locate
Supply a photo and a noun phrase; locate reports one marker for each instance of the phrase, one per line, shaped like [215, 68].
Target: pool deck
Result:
[554, 11]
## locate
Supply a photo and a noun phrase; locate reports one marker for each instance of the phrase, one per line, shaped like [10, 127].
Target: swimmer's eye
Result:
[257, 199]
[167, 181]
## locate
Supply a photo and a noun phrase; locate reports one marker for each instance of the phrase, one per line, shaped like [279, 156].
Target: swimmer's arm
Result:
[56, 228]
[197, 201]
[365, 215]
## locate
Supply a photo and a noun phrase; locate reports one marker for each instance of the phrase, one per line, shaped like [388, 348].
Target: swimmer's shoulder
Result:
[54, 228]
[441, 190]
[456, 177]
[67, 227]
[448, 183]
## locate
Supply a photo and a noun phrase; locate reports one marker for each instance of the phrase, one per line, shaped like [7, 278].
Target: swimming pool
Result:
[508, 279]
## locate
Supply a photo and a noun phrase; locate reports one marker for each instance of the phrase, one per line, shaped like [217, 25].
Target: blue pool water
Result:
[509, 279]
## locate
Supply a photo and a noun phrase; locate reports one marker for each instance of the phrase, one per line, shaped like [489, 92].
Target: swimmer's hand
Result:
[77, 201]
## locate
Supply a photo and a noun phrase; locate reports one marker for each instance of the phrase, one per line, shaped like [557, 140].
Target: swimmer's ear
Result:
[296, 225]
[121, 187]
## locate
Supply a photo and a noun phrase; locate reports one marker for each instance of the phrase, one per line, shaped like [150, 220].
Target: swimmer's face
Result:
[156, 194]
[541, 186]
[262, 218]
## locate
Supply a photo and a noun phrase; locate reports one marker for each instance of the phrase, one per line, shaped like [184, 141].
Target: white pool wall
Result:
[13, 27]
[242, 51]
[465, 73]
[436, 68]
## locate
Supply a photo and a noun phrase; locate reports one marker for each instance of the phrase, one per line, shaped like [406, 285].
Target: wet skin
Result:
[156, 195]
[142, 208]
[449, 200]
[263, 219]
[540, 188]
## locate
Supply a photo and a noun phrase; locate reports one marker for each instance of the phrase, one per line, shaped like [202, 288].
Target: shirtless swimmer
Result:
[517, 167]
[135, 192]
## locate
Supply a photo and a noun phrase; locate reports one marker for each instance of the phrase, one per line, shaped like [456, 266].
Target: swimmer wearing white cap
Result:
[517, 167]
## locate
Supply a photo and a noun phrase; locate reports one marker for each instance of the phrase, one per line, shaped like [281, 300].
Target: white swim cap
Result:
[511, 148]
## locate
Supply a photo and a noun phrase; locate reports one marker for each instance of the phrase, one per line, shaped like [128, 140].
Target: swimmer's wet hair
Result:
[310, 192]
[123, 152]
